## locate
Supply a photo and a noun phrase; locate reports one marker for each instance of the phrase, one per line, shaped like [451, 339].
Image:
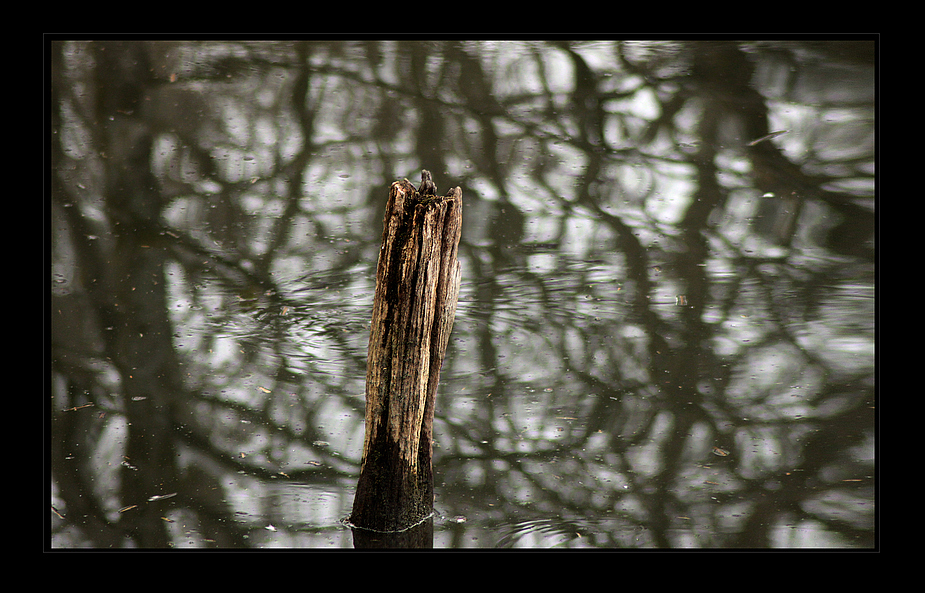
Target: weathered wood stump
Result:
[417, 286]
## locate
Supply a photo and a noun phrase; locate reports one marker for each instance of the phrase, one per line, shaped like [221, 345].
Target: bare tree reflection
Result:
[665, 330]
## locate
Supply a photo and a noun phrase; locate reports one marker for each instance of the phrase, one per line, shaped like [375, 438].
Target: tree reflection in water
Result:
[643, 281]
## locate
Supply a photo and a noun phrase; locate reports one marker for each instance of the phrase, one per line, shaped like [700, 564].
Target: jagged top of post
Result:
[428, 189]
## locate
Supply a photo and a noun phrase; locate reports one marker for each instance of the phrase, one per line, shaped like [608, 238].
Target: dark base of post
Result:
[417, 536]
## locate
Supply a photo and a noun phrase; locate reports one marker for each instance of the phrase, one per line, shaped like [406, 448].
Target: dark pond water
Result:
[665, 334]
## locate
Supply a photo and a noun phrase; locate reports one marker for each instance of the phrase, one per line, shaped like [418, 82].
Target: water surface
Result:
[665, 334]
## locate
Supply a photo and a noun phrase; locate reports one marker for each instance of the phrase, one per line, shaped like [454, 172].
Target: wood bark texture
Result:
[417, 287]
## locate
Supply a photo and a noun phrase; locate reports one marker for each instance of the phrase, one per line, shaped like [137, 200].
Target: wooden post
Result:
[417, 286]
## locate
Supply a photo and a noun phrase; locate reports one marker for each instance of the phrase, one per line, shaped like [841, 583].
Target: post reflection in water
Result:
[665, 329]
